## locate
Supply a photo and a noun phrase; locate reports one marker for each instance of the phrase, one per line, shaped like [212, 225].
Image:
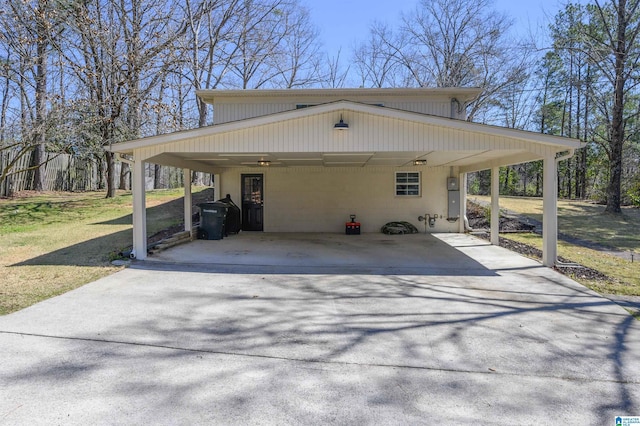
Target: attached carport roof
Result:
[378, 136]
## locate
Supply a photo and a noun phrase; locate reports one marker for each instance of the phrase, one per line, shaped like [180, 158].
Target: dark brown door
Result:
[252, 202]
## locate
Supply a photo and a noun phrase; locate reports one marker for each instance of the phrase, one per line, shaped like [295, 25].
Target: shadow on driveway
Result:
[503, 341]
[315, 253]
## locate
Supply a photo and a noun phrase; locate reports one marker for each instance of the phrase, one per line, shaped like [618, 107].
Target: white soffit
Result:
[340, 159]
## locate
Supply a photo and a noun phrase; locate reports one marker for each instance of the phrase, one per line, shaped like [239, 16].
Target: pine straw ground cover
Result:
[55, 242]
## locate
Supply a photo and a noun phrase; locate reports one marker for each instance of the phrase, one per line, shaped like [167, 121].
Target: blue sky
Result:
[343, 22]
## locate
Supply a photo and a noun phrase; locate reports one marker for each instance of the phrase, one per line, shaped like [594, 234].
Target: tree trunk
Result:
[111, 184]
[505, 186]
[484, 182]
[5, 101]
[41, 105]
[100, 170]
[202, 113]
[37, 161]
[156, 176]
[615, 178]
[569, 179]
[617, 115]
[125, 171]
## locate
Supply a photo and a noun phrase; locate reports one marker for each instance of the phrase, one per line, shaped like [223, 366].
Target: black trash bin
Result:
[232, 222]
[212, 221]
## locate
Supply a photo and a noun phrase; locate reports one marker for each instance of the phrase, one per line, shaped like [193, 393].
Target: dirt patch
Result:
[165, 233]
[197, 198]
[571, 269]
[479, 220]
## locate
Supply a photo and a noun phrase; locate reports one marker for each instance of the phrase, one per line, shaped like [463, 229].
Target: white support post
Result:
[550, 211]
[188, 225]
[217, 189]
[139, 209]
[495, 206]
[462, 179]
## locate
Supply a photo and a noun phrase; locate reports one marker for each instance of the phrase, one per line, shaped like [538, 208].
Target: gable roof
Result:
[558, 142]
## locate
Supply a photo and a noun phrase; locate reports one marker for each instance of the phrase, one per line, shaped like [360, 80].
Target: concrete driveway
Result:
[463, 333]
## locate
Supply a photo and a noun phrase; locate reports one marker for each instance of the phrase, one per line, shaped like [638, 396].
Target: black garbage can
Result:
[232, 224]
[212, 221]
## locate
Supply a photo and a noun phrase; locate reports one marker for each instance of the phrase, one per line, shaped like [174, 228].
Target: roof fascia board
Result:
[464, 94]
[508, 160]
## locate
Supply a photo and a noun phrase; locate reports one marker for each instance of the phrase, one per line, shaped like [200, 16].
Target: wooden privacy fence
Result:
[62, 173]
[65, 172]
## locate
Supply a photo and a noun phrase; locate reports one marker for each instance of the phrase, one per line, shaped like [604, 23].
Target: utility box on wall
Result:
[452, 184]
[453, 190]
[454, 205]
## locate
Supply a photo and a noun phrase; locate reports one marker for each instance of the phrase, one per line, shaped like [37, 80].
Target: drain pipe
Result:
[566, 156]
[467, 227]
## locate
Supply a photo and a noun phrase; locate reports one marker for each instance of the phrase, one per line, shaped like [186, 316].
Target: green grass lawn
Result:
[583, 220]
[587, 222]
[53, 243]
[625, 274]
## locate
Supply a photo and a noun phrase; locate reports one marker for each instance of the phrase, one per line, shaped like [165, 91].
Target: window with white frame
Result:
[408, 184]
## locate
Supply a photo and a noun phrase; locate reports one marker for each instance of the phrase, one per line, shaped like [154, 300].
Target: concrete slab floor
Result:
[421, 253]
[487, 337]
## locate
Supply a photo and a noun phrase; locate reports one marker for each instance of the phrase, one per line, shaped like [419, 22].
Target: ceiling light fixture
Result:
[341, 125]
[264, 163]
[419, 162]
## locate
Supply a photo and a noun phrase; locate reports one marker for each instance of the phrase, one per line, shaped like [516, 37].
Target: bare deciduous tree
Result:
[206, 46]
[274, 46]
[335, 76]
[29, 30]
[445, 43]
[379, 60]
[120, 52]
[296, 60]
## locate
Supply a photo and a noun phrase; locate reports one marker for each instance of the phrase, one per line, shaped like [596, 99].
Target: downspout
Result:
[456, 108]
[566, 156]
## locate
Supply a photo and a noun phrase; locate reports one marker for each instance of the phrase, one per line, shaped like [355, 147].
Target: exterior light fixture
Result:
[264, 163]
[419, 162]
[341, 125]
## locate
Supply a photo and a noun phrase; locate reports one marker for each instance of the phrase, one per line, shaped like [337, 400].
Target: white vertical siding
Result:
[228, 112]
[366, 133]
[438, 108]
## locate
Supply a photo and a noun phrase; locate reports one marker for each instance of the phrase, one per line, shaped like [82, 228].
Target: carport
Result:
[304, 140]
[371, 253]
